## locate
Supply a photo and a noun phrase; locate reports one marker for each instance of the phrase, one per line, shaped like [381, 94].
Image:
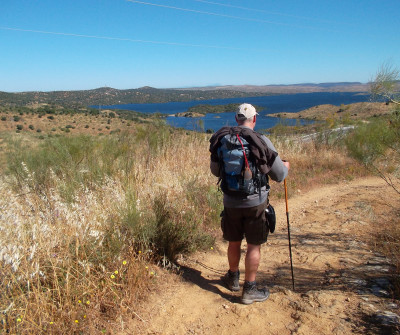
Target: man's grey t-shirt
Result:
[277, 173]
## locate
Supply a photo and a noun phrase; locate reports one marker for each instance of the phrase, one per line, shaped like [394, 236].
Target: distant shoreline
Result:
[110, 96]
[358, 110]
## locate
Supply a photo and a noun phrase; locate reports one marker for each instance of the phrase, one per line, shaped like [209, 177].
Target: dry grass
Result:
[79, 245]
[384, 216]
[314, 163]
[81, 261]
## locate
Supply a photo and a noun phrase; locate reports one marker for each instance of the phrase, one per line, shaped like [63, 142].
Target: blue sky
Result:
[72, 45]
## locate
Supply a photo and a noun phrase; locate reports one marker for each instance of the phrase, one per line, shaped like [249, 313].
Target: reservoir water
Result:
[284, 103]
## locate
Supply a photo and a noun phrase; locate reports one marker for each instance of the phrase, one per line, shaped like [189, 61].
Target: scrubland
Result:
[89, 224]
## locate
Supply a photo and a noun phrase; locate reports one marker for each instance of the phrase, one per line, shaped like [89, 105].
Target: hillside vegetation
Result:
[112, 96]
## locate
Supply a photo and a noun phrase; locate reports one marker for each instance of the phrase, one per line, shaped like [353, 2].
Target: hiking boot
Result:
[252, 293]
[231, 280]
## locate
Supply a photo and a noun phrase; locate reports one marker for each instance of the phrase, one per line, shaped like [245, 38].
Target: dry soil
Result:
[342, 286]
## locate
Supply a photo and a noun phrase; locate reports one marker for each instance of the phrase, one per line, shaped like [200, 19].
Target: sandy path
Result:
[341, 285]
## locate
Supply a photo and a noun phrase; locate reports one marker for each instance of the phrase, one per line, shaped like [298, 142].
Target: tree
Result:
[386, 83]
[376, 144]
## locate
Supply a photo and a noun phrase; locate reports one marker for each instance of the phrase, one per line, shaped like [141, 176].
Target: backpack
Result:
[239, 175]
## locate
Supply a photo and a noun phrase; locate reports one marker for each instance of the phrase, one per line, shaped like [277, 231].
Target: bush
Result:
[16, 118]
[20, 126]
[3, 118]
[176, 231]
[31, 127]
[78, 160]
[378, 142]
[377, 145]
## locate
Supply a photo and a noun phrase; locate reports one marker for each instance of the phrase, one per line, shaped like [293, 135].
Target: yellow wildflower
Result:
[112, 276]
[116, 272]
[19, 320]
[51, 322]
[124, 262]
[87, 302]
[76, 321]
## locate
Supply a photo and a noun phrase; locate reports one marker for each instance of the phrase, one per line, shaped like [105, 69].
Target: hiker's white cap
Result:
[245, 111]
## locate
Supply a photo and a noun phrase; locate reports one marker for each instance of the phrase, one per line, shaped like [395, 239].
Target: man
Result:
[244, 216]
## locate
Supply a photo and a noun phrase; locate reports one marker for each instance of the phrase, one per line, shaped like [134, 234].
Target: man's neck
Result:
[250, 125]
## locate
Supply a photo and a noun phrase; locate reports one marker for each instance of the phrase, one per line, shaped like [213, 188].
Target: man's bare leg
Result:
[252, 261]
[234, 255]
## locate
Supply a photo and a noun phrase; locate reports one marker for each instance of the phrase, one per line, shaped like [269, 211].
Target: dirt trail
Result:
[342, 286]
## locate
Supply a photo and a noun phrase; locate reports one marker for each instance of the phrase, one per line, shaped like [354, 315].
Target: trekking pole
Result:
[288, 231]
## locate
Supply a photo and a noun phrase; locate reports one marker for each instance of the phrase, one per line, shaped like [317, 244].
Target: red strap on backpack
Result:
[244, 152]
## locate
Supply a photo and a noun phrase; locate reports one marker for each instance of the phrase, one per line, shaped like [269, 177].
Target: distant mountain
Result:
[112, 96]
[147, 94]
[293, 88]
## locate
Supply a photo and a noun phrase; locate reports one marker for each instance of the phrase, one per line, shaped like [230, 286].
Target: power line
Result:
[222, 15]
[264, 11]
[120, 39]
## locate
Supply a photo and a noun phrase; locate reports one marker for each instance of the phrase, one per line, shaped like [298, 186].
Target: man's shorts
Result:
[250, 222]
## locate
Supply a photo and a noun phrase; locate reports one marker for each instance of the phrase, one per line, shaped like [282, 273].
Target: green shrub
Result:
[176, 231]
[376, 145]
[20, 126]
[370, 141]
[16, 118]
[3, 118]
[142, 229]
[77, 160]
[156, 137]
